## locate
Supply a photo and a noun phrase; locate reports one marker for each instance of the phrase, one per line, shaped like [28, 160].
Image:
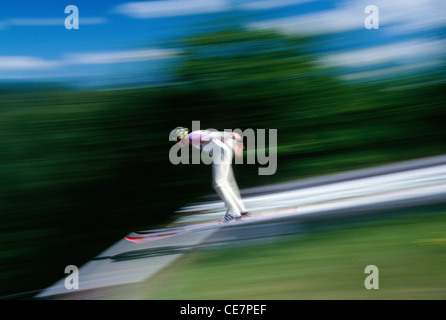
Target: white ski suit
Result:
[220, 146]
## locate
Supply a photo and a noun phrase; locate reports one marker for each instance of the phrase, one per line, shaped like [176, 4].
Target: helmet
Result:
[178, 133]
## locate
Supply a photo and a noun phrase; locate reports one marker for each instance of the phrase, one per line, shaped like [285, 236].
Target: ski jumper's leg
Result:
[221, 179]
[234, 187]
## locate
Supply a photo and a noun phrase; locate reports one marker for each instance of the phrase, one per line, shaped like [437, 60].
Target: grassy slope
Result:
[409, 251]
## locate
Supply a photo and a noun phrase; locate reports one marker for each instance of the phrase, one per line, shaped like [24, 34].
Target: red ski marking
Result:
[142, 239]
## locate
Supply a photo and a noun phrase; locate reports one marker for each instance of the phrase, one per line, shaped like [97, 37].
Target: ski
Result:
[157, 234]
[151, 235]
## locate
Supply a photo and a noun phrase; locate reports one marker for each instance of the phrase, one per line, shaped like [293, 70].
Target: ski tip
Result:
[135, 239]
[129, 238]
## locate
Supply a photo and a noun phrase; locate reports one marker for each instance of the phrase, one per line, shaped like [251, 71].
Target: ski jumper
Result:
[220, 145]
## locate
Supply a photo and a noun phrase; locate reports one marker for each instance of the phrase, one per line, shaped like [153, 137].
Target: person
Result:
[220, 146]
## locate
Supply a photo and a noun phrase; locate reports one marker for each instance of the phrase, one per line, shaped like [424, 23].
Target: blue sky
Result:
[128, 41]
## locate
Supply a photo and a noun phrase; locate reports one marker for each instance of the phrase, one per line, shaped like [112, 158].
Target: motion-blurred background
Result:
[85, 113]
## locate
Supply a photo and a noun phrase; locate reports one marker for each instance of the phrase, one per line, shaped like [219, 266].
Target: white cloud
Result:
[325, 22]
[171, 8]
[120, 56]
[401, 52]
[398, 16]
[25, 63]
[30, 63]
[412, 15]
[45, 22]
[270, 4]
